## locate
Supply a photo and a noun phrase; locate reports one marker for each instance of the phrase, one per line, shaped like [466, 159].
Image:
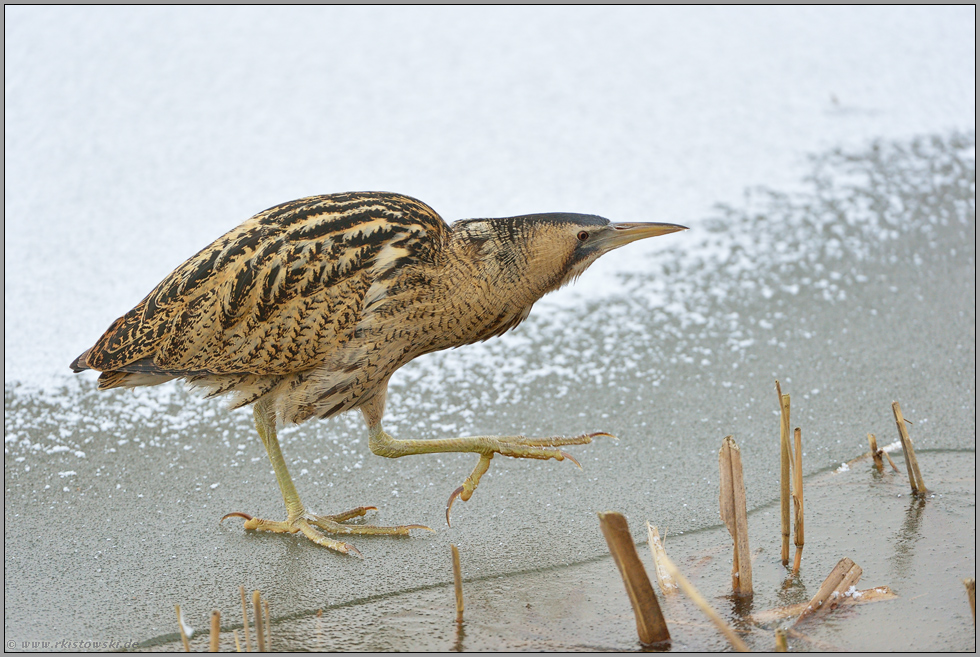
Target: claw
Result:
[602, 433]
[571, 458]
[351, 550]
[234, 514]
[449, 504]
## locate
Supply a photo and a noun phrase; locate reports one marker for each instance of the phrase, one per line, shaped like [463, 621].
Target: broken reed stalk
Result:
[695, 597]
[238, 644]
[268, 627]
[183, 633]
[784, 469]
[877, 594]
[844, 575]
[911, 463]
[215, 634]
[875, 452]
[798, 499]
[971, 591]
[667, 584]
[781, 644]
[319, 631]
[259, 625]
[650, 624]
[731, 499]
[248, 641]
[457, 584]
[890, 462]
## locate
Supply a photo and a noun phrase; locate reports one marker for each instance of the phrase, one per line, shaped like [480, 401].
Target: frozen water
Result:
[824, 158]
[133, 137]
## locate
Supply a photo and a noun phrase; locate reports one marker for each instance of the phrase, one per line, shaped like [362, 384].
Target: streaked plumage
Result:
[310, 306]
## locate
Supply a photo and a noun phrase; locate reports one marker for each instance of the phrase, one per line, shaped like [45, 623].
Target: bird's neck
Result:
[485, 286]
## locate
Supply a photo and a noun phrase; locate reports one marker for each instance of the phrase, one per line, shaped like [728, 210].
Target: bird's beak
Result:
[621, 234]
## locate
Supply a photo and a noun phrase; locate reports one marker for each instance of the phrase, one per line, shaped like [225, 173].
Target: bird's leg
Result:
[519, 447]
[266, 426]
[297, 519]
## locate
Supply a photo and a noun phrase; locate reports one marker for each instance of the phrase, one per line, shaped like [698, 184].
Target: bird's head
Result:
[550, 250]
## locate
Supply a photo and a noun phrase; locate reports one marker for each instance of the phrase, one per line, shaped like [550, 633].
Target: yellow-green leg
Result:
[519, 447]
[297, 519]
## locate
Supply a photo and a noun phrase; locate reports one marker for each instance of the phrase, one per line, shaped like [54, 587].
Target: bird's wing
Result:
[277, 294]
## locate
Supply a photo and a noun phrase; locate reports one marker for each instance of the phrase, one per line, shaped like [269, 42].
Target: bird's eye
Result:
[583, 235]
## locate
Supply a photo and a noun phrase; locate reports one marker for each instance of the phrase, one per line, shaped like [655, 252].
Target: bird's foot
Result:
[521, 448]
[310, 524]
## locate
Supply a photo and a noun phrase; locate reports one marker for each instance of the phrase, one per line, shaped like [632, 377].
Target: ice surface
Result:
[133, 137]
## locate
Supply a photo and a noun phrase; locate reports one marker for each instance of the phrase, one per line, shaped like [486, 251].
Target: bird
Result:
[306, 310]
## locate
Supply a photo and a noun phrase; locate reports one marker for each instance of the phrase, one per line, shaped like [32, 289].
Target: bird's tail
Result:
[79, 364]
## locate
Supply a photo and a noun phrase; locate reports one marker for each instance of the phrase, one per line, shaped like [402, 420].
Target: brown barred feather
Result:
[313, 304]
[274, 295]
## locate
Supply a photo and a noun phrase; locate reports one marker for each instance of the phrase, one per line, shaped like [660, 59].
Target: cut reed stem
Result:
[971, 592]
[781, 643]
[695, 597]
[268, 627]
[457, 584]
[667, 584]
[215, 634]
[798, 499]
[259, 625]
[731, 499]
[911, 463]
[877, 594]
[650, 624]
[890, 461]
[784, 469]
[833, 590]
[248, 640]
[183, 632]
[875, 452]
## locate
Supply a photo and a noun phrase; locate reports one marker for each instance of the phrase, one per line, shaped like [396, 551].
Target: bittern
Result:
[308, 308]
